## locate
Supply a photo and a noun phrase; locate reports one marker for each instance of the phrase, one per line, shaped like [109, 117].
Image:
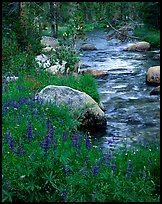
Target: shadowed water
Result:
[132, 114]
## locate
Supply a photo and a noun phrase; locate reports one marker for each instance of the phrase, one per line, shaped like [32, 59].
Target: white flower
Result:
[23, 176]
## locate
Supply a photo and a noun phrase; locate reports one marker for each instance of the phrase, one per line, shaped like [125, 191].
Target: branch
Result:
[133, 37]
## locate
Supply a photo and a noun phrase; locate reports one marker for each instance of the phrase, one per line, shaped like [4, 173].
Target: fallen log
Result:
[132, 37]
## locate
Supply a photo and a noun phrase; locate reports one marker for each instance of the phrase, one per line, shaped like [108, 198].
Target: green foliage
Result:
[151, 14]
[66, 54]
[150, 35]
[75, 29]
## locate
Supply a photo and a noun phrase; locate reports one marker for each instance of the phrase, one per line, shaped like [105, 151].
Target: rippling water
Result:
[131, 112]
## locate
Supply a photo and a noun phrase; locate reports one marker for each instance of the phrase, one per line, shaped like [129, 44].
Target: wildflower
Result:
[54, 143]
[114, 167]
[130, 162]
[36, 133]
[129, 168]
[8, 137]
[48, 124]
[23, 176]
[84, 170]
[11, 144]
[65, 136]
[88, 144]
[46, 146]
[75, 141]
[29, 133]
[75, 137]
[21, 151]
[95, 170]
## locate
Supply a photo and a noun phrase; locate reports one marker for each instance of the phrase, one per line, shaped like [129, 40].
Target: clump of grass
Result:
[150, 35]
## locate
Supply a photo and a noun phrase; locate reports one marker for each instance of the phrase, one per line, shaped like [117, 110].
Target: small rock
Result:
[94, 72]
[88, 47]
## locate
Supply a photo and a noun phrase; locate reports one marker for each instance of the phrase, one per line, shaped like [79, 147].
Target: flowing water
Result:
[132, 113]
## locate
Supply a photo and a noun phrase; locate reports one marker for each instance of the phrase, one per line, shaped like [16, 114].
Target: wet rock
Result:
[153, 76]
[84, 107]
[155, 91]
[140, 46]
[88, 47]
[94, 72]
[156, 57]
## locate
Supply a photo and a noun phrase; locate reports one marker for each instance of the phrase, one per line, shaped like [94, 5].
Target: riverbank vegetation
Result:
[45, 158]
[149, 35]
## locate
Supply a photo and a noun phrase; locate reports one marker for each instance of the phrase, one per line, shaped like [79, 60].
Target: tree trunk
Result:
[57, 17]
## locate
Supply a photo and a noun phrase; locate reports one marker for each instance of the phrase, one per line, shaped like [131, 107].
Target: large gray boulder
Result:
[140, 46]
[153, 76]
[84, 107]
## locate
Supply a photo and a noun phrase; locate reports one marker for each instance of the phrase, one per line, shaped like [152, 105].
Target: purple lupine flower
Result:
[20, 149]
[46, 146]
[8, 134]
[11, 144]
[15, 105]
[129, 168]
[95, 170]
[48, 124]
[36, 134]
[64, 195]
[88, 144]
[76, 143]
[130, 162]
[114, 167]
[65, 136]
[54, 143]
[29, 133]
[84, 170]
[51, 132]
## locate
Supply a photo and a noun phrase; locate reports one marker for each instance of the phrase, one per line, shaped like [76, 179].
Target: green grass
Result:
[150, 35]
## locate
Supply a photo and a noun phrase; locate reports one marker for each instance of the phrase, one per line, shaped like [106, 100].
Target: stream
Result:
[132, 113]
